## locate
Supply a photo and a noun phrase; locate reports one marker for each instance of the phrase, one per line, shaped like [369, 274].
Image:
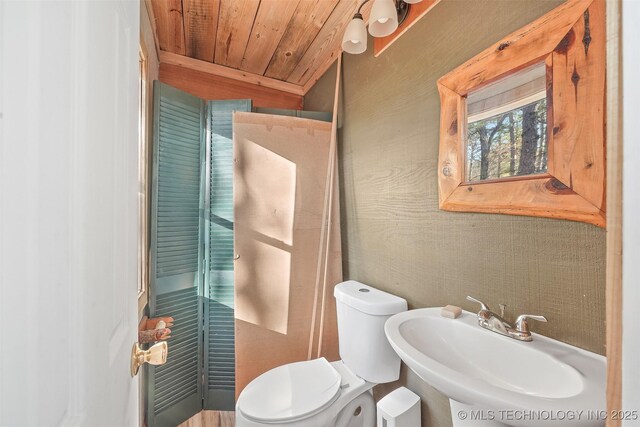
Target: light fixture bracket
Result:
[403, 10]
[354, 39]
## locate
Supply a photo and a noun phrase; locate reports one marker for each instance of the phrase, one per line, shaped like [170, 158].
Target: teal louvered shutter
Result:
[220, 334]
[175, 389]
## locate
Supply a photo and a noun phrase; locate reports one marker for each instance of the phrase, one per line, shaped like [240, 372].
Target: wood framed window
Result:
[560, 175]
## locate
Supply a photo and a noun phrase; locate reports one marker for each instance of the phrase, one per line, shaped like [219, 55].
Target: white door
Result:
[68, 202]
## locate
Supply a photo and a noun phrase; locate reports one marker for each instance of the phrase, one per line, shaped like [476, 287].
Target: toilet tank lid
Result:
[367, 299]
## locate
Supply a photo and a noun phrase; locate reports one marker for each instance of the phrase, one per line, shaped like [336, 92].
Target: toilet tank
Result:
[364, 348]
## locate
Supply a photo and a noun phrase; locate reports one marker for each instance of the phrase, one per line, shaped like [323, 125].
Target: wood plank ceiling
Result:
[263, 41]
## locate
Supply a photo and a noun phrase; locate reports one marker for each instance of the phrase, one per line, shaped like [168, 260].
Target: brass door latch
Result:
[156, 355]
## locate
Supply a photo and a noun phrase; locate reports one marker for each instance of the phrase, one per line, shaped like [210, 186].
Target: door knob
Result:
[156, 355]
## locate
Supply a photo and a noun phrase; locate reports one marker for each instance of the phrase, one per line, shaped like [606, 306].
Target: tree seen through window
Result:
[512, 143]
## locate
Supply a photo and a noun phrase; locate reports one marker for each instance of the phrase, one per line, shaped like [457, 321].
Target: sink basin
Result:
[495, 380]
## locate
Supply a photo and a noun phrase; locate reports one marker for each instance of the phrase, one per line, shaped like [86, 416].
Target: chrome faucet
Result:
[495, 323]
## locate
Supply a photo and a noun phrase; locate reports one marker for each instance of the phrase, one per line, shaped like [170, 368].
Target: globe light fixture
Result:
[385, 17]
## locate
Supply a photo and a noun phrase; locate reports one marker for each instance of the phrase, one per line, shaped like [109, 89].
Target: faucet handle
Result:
[502, 307]
[483, 306]
[521, 321]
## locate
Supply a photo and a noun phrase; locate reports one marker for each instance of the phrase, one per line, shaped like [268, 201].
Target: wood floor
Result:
[211, 419]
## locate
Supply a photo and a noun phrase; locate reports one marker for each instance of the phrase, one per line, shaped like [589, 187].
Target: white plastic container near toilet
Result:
[400, 408]
[337, 394]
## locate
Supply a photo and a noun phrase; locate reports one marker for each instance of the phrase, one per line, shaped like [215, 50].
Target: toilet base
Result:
[360, 412]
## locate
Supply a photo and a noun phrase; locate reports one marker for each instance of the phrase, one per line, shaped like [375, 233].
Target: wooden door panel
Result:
[280, 176]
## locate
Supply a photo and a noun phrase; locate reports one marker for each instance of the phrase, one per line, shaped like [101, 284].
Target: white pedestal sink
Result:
[494, 380]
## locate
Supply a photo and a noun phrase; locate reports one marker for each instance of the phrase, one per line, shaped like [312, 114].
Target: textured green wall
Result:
[395, 237]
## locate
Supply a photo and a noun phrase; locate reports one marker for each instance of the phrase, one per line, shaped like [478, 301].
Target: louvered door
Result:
[175, 389]
[219, 304]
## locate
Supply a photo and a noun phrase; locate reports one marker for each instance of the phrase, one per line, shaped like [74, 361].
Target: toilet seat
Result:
[290, 392]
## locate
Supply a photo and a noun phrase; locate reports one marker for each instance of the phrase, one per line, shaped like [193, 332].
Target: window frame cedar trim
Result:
[571, 40]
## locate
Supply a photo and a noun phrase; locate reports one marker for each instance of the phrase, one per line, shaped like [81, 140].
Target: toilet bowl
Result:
[310, 393]
[331, 394]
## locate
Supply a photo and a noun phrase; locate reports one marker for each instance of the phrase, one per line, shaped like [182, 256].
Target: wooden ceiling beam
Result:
[231, 73]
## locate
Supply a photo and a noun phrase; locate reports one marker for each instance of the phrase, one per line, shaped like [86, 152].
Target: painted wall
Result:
[394, 235]
[631, 207]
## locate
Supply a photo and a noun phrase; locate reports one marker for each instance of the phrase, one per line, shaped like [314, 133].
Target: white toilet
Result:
[331, 394]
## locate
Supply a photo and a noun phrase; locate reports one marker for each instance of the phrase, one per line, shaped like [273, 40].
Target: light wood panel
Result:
[614, 210]
[538, 196]
[578, 101]
[169, 25]
[451, 170]
[280, 183]
[268, 28]
[200, 22]
[305, 24]
[210, 86]
[234, 27]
